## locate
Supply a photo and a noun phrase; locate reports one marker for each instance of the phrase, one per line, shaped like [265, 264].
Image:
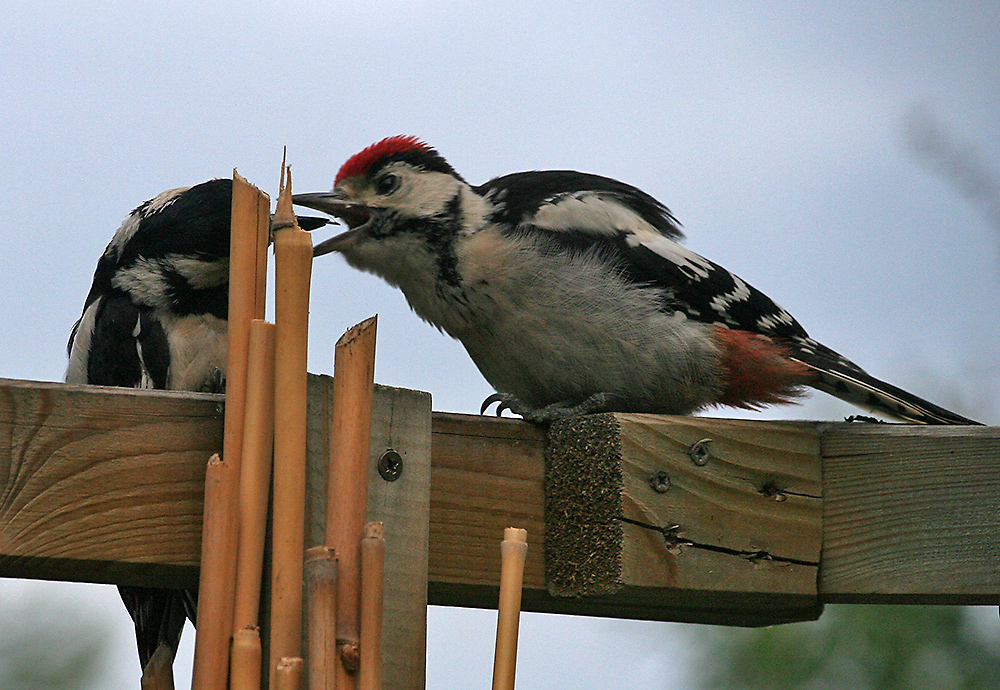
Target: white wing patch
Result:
[695, 266]
[782, 318]
[590, 212]
[740, 293]
[200, 274]
[145, 283]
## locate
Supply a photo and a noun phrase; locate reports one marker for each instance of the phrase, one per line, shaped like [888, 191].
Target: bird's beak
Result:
[354, 216]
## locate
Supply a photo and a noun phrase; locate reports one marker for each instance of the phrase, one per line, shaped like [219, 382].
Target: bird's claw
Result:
[598, 402]
[215, 382]
[495, 398]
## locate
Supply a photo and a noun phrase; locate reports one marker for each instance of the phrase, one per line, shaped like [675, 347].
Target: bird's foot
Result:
[598, 402]
[864, 419]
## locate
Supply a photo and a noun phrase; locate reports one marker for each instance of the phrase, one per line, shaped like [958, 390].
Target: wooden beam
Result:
[714, 520]
[909, 514]
[104, 484]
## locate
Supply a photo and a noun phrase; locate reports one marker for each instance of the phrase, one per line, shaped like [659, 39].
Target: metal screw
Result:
[660, 481]
[390, 465]
[699, 452]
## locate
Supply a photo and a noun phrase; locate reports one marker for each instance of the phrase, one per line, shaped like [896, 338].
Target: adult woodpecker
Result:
[156, 317]
[571, 293]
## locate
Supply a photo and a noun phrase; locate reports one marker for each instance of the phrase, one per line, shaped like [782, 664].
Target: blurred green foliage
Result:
[855, 647]
[51, 644]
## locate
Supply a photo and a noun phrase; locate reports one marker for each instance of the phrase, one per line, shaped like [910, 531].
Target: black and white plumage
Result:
[156, 317]
[572, 294]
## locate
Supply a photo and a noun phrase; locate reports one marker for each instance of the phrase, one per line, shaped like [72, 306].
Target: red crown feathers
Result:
[361, 162]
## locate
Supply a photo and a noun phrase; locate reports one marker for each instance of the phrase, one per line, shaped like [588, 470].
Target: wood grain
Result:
[912, 514]
[401, 422]
[736, 533]
[487, 475]
[95, 482]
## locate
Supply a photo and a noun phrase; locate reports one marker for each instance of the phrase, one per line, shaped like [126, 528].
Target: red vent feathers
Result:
[757, 370]
[361, 162]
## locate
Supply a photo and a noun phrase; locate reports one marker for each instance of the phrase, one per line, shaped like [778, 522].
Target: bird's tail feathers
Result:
[843, 379]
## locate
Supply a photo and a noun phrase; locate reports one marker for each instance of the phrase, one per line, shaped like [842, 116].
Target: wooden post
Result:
[401, 443]
[293, 266]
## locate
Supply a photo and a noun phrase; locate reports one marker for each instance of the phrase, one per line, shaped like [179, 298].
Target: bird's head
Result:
[397, 188]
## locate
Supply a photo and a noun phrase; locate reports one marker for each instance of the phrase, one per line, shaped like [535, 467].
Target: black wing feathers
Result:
[159, 616]
[129, 346]
[705, 291]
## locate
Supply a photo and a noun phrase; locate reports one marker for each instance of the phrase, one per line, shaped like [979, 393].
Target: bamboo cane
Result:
[347, 490]
[245, 659]
[214, 625]
[372, 581]
[512, 553]
[255, 475]
[247, 256]
[321, 586]
[293, 266]
[288, 673]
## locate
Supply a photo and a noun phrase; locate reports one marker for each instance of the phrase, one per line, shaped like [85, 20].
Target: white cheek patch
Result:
[420, 194]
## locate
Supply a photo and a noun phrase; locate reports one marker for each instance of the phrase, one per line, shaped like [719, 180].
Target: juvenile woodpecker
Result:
[156, 317]
[572, 294]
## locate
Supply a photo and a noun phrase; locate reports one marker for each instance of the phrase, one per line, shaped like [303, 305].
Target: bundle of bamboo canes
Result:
[265, 411]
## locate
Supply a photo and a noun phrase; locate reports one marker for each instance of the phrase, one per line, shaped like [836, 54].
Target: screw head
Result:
[659, 481]
[699, 451]
[390, 465]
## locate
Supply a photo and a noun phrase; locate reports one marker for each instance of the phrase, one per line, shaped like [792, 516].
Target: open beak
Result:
[354, 216]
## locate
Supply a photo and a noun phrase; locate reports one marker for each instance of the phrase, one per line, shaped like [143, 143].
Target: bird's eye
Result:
[387, 184]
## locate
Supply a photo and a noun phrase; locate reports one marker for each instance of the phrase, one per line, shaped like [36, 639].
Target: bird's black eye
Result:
[387, 184]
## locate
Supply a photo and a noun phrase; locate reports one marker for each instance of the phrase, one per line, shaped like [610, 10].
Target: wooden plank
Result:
[912, 514]
[400, 423]
[487, 474]
[80, 467]
[96, 481]
[732, 527]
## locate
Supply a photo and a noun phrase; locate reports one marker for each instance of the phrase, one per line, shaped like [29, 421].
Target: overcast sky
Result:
[843, 157]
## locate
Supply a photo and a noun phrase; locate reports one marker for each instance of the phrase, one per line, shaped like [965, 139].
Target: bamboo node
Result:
[350, 655]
